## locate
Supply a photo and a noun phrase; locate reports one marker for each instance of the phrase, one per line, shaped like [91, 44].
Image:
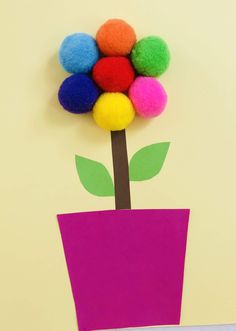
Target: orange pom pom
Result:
[116, 38]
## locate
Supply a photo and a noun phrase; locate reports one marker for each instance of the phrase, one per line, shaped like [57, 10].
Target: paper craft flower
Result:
[126, 266]
[114, 77]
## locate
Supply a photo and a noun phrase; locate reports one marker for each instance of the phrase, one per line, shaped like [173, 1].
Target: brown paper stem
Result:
[121, 169]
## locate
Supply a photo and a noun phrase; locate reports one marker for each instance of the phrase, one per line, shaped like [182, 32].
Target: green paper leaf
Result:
[148, 161]
[94, 177]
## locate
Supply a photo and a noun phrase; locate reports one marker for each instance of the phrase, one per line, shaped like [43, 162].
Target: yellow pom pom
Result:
[113, 111]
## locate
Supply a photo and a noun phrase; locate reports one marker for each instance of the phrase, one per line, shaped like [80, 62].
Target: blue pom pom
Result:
[78, 93]
[78, 53]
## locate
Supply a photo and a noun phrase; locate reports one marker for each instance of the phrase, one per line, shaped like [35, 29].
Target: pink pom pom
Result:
[148, 96]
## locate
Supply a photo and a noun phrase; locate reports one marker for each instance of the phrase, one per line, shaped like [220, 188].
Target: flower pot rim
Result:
[185, 212]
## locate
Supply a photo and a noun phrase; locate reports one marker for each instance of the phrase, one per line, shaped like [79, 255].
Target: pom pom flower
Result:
[114, 77]
[121, 60]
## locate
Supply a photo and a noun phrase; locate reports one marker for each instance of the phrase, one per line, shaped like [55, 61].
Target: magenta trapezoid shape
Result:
[126, 267]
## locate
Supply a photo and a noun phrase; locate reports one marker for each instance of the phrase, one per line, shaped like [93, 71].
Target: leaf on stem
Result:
[148, 161]
[94, 177]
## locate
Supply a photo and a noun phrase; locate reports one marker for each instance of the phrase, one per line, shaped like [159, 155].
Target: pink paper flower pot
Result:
[126, 267]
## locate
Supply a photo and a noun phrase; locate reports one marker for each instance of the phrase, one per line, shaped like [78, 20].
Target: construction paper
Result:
[223, 327]
[148, 161]
[125, 266]
[121, 169]
[94, 177]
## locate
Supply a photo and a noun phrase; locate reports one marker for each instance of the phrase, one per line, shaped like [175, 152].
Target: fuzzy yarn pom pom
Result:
[115, 37]
[113, 111]
[150, 56]
[78, 93]
[78, 53]
[148, 96]
[113, 74]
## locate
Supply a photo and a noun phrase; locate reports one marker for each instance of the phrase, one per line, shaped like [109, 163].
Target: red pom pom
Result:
[113, 74]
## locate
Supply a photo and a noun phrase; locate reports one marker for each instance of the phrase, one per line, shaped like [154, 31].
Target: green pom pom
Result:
[150, 56]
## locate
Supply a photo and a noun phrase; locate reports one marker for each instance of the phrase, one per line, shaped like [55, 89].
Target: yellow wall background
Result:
[38, 142]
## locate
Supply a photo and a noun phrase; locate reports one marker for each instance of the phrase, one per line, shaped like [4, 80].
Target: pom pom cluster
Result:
[114, 76]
